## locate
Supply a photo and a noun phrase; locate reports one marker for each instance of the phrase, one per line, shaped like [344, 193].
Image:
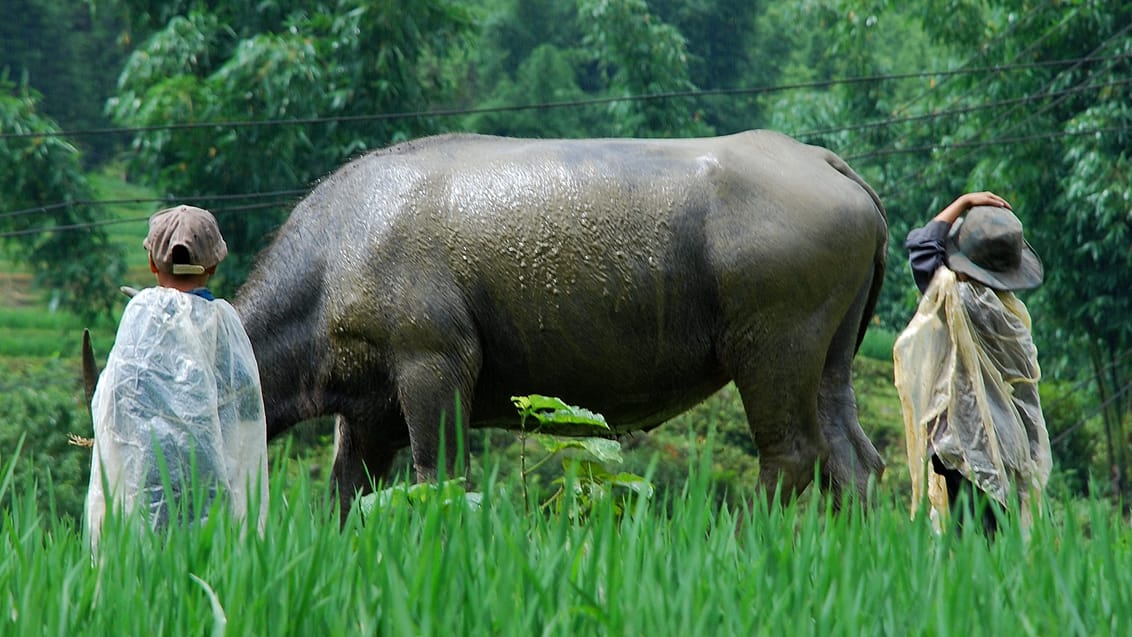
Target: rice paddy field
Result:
[684, 565]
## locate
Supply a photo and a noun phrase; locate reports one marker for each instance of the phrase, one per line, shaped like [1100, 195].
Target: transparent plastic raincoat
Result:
[177, 411]
[967, 373]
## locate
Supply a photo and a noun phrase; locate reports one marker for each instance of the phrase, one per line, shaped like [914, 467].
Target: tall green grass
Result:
[684, 567]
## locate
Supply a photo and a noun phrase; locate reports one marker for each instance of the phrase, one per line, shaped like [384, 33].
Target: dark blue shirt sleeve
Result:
[927, 251]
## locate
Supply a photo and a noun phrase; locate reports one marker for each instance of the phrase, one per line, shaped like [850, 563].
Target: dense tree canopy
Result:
[68, 51]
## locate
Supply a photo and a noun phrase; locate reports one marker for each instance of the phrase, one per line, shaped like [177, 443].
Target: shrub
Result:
[41, 402]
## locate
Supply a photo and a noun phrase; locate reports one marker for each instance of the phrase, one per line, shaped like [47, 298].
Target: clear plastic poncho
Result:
[968, 356]
[178, 411]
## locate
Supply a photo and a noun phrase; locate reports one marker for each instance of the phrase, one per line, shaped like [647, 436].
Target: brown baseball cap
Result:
[193, 229]
[987, 245]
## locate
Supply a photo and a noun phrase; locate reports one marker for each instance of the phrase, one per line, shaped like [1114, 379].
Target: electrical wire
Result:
[987, 46]
[802, 135]
[1044, 93]
[299, 192]
[997, 141]
[140, 200]
[454, 112]
[966, 110]
[1085, 419]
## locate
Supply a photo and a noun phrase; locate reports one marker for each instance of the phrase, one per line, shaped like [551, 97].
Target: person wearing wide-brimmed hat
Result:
[966, 365]
[178, 413]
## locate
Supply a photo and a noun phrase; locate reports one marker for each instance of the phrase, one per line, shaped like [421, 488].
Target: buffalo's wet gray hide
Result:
[633, 277]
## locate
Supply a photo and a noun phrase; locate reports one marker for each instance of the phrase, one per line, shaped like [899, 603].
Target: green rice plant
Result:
[448, 493]
[40, 404]
[27, 332]
[679, 564]
[35, 332]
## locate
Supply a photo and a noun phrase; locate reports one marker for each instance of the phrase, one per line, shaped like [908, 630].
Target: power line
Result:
[1043, 94]
[1071, 392]
[913, 150]
[140, 200]
[88, 225]
[1040, 96]
[803, 134]
[966, 110]
[455, 112]
[1099, 408]
[285, 196]
[981, 51]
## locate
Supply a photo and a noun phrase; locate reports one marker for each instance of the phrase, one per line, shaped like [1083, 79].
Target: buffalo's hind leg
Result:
[853, 459]
[780, 398]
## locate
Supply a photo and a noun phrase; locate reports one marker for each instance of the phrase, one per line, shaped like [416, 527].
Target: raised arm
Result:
[965, 202]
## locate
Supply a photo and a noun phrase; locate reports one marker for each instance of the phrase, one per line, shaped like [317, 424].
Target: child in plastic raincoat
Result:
[966, 366]
[178, 410]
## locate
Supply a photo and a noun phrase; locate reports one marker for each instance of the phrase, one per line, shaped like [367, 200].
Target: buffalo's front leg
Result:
[363, 454]
[435, 394]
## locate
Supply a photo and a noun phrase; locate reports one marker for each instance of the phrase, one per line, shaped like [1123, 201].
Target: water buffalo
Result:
[633, 277]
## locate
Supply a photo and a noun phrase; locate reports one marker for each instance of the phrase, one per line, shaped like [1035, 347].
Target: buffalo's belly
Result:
[634, 385]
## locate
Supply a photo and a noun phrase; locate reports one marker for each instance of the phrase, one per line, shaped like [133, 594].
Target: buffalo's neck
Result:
[288, 368]
[289, 342]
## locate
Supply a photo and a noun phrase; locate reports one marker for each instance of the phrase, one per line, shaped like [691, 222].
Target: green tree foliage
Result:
[350, 64]
[510, 30]
[43, 194]
[1073, 438]
[68, 52]
[726, 49]
[1089, 259]
[639, 55]
[547, 76]
[568, 54]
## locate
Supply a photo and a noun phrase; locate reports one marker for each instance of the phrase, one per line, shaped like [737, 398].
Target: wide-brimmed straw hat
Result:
[987, 245]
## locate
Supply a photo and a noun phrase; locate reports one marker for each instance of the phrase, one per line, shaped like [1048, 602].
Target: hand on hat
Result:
[965, 202]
